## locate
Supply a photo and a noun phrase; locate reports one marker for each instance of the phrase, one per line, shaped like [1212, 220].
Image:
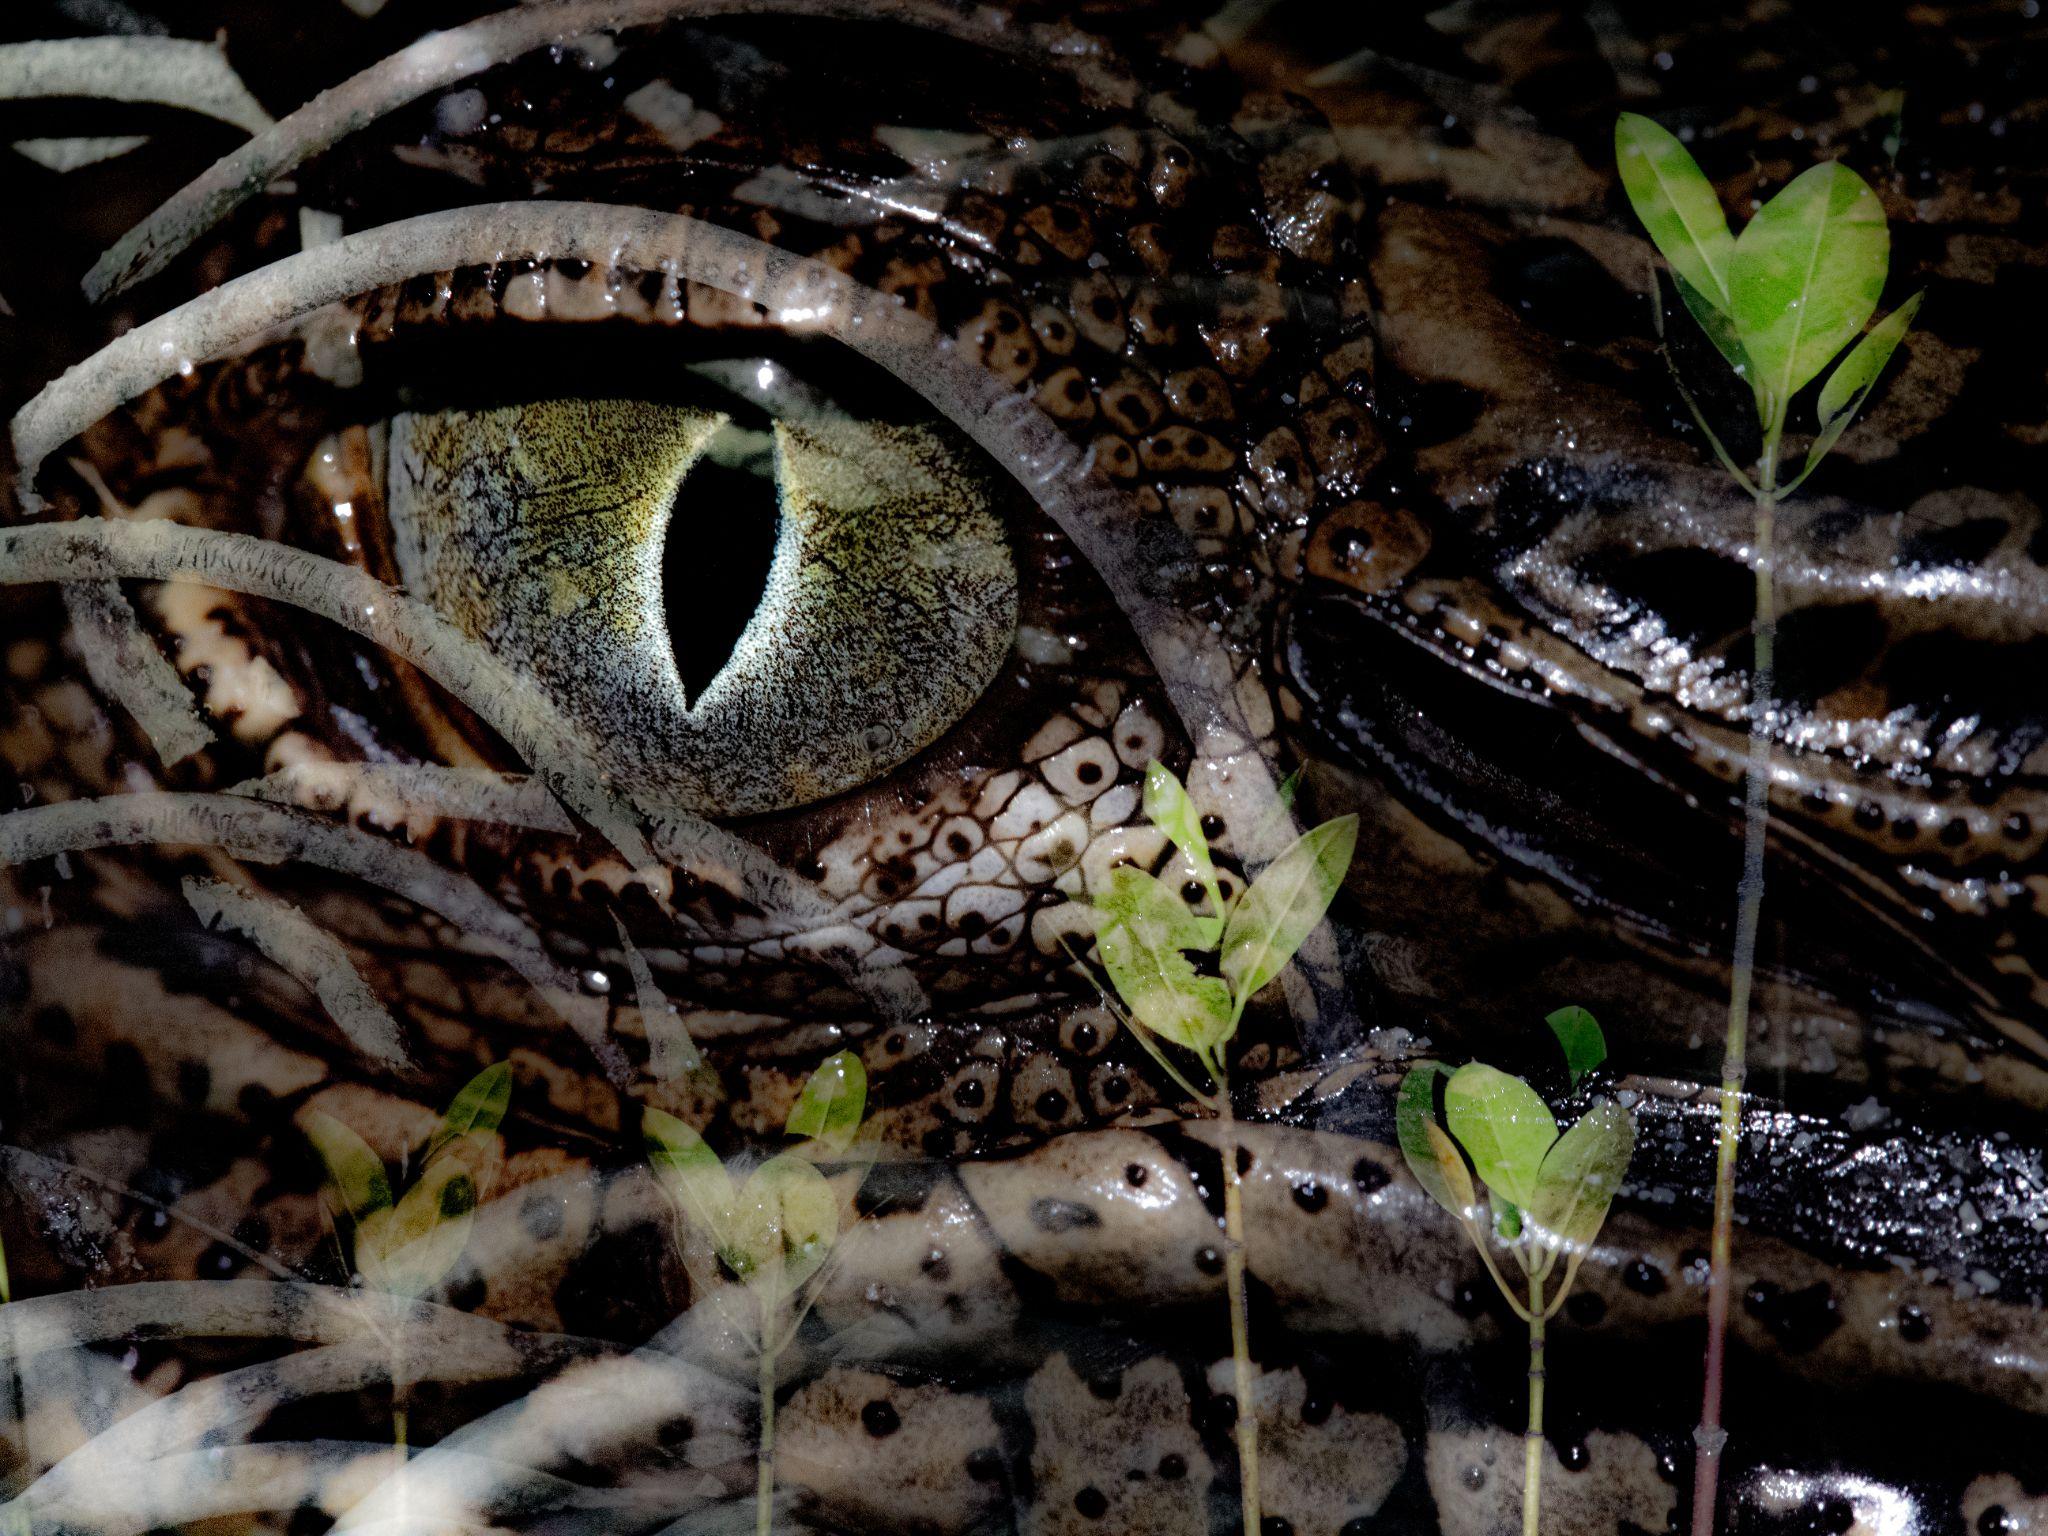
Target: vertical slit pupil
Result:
[715, 566]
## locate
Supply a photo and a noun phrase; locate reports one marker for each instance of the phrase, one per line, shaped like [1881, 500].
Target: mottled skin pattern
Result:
[1374, 341]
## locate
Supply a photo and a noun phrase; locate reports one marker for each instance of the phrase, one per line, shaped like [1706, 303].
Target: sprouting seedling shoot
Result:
[773, 1227]
[404, 1246]
[1148, 936]
[1547, 1194]
[1781, 300]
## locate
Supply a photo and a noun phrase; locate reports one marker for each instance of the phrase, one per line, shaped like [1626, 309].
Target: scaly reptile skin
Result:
[1346, 321]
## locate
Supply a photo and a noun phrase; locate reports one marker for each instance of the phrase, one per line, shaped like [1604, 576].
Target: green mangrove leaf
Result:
[829, 1109]
[1578, 1032]
[411, 1247]
[1275, 916]
[1851, 382]
[354, 1171]
[1677, 205]
[479, 1106]
[1434, 1159]
[1147, 903]
[785, 1222]
[1581, 1175]
[1159, 986]
[1502, 1125]
[689, 1171]
[1806, 276]
[1507, 1216]
[1168, 808]
[1719, 326]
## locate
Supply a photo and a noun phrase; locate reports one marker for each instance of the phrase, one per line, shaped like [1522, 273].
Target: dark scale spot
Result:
[895, 1044]
[1869, 815]
[1192, 892]
[1833, 1516]
[1050, 1215]
[1209, 1261]
[879, 1418]
[1091, 1503]
[1173, 1466]
[1108, 1387]
[1993, 1522]
[125, 1078]
[1088, 773]
[970, 1093]
[1905, 828]
[1316, 1406]
[1051, 1105]
[194, 1081]
[1964, 544]
[1212, 827]
[1368, 1177]
[936, 1264]
[675, 1433]
[1362, 1526]
[1116, 1090]
[940, 1142]
[1955, 832]
[1273, 1525]
[55, 1025]
[1914, 1324]
[1311, 1196]
[1085, 1036]
[985, 1464]
[1244, 1161]
[1586, 1308]
[957, 841]
[1798, 1320]
[971, 924]
[1135, 1175]
[470, 1294]
[1574, 1456]
[1468, 1300]
[1075, 391]
[2017, 826]
[1220, 1415]
[218, 1262]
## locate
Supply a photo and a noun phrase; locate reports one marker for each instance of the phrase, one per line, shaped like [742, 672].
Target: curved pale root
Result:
[94, 549]
[311, 956]
[164, 71]
[268, 834]
[125, 665]
[409, 790]
[441, 58]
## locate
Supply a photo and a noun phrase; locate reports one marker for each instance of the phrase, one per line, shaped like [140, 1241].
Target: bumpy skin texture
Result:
[1372, 343]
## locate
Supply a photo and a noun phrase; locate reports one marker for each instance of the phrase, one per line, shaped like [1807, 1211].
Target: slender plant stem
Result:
[764, 1473]
[1532, 1439]
[1240, 1319]
[1710, 1437]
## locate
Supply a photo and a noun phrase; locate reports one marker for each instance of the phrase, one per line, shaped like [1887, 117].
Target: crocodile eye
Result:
[552, 531]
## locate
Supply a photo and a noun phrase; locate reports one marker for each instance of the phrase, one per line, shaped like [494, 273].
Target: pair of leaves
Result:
[1782, 299]
[1563, 1184]
[774, 1228]
[1146, 931]
[408, 1245]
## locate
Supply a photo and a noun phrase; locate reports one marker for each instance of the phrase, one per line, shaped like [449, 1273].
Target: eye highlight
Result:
[890, 600]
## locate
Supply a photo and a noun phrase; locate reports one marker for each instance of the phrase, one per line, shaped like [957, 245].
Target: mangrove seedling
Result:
[773, 1227]
[1150, 939]
[1546, 1195]
[1778, 302]
[404, 1246]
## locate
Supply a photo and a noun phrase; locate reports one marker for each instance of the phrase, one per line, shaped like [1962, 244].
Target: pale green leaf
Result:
[1579, 1034]
[1806, 276]
[411, 1247]
[1581, 1175]
[1274, 918]
[688, 1171]
[479, 1106]
[1158, 984]
[1434, 1159]
[1507, 1217]
[830, 1107]
[1154, 908]
[785, 1221]
[1851, 383]
[1677, 205]
[354, 1172]
[1719, 326]
[1168, 808]
[1502, 1125]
